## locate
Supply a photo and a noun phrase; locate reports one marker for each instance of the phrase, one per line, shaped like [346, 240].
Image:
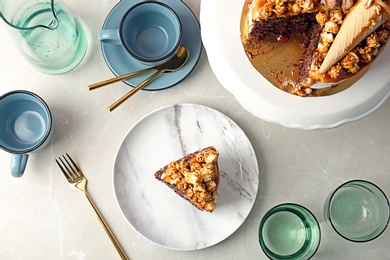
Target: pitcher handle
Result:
[18, 164]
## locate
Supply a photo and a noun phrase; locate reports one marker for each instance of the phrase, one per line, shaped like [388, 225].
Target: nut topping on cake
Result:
[363, 19]
[339, 4]
[195, 177]
[333, 41]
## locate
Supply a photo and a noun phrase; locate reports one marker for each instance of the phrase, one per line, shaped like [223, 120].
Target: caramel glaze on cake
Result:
[194, 177]
[293, 43]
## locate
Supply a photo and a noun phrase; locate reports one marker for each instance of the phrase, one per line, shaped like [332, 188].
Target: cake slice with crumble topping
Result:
[194, 177]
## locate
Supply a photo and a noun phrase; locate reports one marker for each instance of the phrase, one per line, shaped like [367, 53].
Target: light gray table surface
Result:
[41, 217]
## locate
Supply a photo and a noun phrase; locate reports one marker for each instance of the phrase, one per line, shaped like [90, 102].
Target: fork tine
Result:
[72, 173]
[63, 169]
[75, 165]
[68, 168]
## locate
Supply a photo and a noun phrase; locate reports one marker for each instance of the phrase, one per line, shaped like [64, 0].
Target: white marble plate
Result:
[154, 210]
[221, 39]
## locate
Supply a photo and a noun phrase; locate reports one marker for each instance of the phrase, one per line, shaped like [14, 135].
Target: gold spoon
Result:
[172, 65]
[181, 52]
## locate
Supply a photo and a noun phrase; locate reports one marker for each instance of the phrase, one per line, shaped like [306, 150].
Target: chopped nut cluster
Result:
[196, 177]
[331, 21]
[363, 53]
[285, 7]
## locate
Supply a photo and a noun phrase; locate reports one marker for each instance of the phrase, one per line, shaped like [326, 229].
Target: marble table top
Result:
[41, 217]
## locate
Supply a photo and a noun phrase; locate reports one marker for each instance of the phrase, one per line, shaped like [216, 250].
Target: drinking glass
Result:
[289, 231]
[358, 210]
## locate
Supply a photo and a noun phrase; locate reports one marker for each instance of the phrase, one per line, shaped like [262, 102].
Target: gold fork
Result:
[77, 179]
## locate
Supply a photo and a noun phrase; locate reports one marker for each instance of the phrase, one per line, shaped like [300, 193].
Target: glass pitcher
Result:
[46, 33]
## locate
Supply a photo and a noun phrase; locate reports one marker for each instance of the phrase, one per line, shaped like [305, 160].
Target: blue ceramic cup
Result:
[150, 31]
[26, 126]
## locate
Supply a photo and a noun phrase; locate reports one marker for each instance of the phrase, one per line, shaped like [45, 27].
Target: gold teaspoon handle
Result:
[134, 90]
[116, 79]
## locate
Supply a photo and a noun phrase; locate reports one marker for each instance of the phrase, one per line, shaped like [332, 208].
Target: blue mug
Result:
[150, 31]
[26, 126]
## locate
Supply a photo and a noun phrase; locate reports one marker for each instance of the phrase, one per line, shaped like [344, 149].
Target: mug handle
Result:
[18, 164]
[110, 36]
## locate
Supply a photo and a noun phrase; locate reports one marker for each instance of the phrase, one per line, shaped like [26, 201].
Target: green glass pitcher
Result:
[47, 34]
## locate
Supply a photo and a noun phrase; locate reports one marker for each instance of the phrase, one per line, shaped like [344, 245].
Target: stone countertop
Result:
[41, 217]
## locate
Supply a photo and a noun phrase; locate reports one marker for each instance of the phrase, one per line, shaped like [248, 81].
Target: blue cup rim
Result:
[146, 60]
[50, 124]
[331, 222]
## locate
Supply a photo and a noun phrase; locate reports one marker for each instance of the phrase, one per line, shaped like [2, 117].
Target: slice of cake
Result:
[339, 39]
[194, 177]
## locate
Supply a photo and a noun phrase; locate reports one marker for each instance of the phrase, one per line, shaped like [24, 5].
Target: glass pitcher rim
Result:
[49, 27]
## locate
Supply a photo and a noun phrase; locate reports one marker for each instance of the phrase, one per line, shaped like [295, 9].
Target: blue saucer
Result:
[120, 62]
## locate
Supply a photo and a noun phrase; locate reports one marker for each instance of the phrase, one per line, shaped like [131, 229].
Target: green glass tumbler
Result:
[289, 231]
[358, 211]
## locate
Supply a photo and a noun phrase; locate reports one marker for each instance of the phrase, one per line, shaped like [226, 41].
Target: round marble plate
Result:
[221, 38]
[120, 62]
[153, 209]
